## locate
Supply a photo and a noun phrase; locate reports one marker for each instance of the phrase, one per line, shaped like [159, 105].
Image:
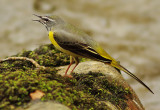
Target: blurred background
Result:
[128, 30]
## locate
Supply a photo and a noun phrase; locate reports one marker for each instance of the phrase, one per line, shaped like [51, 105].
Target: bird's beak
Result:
[41, 20]
[37, 15]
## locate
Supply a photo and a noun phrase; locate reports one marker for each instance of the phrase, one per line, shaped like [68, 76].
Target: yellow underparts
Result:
[100, 50]
[51, 37]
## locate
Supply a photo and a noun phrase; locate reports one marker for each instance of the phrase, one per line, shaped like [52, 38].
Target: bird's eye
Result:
[46, 19]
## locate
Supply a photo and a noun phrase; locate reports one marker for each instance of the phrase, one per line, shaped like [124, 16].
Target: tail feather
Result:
[132, 75]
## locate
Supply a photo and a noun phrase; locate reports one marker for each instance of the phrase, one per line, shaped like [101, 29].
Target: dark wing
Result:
[78, 46]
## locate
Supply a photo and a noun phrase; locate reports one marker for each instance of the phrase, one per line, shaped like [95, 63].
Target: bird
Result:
[78, 44]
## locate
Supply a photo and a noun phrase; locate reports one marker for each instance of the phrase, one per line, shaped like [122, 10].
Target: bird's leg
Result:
[77, 62]
[72, 59]
[71, 62]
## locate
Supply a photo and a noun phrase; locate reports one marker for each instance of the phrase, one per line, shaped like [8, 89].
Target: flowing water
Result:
[127, 29]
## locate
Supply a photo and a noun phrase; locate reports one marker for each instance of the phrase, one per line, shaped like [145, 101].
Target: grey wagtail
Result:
[73, 41]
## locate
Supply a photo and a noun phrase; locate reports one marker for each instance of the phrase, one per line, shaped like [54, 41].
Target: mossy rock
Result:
[82, 92]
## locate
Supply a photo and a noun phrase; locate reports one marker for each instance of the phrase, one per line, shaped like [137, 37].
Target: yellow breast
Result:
[51, 37]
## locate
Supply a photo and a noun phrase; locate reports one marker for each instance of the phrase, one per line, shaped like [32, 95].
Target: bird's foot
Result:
[68, 76]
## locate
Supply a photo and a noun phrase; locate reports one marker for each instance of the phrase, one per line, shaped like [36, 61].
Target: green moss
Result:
[97, 85]
[84, 91]
[47, 55]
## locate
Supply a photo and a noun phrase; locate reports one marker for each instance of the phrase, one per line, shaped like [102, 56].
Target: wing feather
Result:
[78, 46]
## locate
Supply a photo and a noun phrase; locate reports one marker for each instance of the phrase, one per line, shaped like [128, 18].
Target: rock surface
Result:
[112, 75]
[50, 105]
[94, 85]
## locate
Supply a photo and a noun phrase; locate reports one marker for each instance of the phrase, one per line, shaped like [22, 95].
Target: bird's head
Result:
[49, 21]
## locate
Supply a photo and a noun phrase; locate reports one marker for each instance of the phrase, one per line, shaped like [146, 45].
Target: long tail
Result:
[132, 75]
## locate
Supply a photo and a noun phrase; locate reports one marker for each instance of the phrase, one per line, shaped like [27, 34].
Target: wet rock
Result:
[94, 85]
[49, 105]
[113, 77]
